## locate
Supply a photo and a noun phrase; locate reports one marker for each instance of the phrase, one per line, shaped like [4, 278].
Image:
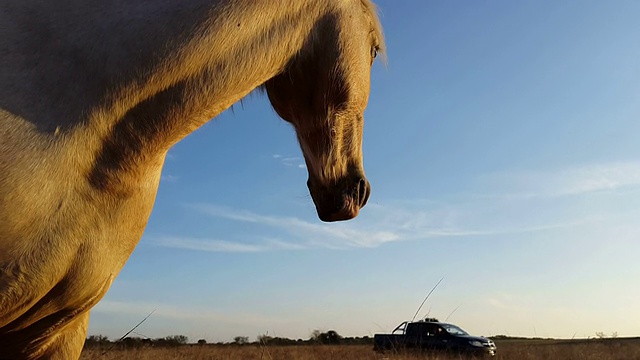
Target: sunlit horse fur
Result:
[94, 93]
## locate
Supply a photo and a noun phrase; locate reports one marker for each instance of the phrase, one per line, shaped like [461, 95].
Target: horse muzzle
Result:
[341, 201]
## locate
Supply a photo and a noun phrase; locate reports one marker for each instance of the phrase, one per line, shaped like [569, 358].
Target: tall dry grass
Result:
[621, 349]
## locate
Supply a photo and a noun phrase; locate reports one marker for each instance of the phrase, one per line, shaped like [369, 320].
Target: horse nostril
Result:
[363, 192]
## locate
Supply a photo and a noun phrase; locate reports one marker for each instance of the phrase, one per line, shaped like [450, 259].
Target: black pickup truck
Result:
[433, 336]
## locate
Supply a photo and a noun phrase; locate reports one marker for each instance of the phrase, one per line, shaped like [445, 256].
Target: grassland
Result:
[608, 349]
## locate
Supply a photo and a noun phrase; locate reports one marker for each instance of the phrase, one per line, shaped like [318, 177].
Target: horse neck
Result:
[89, 59]
[147, 77]
[205, 55]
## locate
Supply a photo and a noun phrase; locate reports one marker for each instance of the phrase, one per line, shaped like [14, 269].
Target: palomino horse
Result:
[94, 93]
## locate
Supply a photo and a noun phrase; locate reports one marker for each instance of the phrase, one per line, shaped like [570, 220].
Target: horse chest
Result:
[67, 260]
[72, 231]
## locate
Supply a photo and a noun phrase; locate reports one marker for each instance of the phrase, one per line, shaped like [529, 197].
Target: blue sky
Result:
[501, 142]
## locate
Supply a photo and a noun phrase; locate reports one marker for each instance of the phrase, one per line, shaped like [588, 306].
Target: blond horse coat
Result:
[94, 93]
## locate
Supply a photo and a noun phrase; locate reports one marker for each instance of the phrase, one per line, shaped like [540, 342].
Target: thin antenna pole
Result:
[454, 310]
[128, 332]
[425, 299]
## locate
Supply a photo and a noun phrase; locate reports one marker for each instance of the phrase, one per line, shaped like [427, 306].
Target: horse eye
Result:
[374, 51]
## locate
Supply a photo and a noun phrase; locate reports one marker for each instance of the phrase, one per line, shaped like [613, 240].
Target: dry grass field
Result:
[611, 349]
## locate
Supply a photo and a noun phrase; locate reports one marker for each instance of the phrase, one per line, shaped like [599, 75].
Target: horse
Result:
[94, 93]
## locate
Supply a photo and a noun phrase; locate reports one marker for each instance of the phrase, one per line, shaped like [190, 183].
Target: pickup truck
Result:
[431, 335]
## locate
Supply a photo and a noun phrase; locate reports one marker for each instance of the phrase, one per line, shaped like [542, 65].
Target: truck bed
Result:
[382, 342]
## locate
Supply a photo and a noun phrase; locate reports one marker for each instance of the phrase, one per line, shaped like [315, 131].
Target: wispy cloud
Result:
[534, 204]
[213, 245]
[316, 234]
[599, 178]
[384, 225]
[567, 182]
[291, 161]
[206, 244]
[169, 178]
[181, 313]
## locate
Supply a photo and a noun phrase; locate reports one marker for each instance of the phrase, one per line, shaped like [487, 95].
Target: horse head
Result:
[323, 93]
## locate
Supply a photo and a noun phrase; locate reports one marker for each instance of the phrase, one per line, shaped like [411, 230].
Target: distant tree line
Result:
[102, 341]
[508, 337]
[330, 337]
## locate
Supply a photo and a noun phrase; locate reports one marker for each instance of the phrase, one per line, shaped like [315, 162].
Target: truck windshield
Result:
[454, 330]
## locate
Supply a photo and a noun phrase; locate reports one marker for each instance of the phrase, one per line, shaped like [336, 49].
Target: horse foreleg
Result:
[69, 342]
